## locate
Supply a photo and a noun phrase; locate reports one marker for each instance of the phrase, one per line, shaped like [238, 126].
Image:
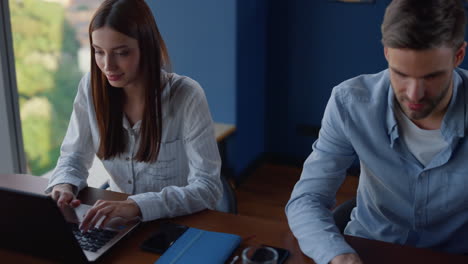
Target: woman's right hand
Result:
[63, 194]
[350, 258]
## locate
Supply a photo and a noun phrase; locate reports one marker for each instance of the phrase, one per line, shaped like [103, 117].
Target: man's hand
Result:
[109, 209]
[63, 194]
[349, 258]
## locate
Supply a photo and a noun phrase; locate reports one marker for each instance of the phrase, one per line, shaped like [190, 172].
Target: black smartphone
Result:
[260, 255]
[160, 241]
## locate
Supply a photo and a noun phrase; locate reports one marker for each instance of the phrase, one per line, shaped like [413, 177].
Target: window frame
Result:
[12, 156]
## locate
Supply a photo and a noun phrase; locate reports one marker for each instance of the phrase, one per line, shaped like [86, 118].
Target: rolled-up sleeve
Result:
[308, 210]
[76, 152]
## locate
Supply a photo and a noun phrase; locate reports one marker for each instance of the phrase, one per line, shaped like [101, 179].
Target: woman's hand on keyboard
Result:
[109, 209]
[350, 258]
[63, 194]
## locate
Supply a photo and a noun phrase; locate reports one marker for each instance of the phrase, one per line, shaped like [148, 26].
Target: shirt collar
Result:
[126, 124]
[454, 121]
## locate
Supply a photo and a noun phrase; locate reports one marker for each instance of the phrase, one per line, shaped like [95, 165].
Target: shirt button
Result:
[127, 158]
[129, 182]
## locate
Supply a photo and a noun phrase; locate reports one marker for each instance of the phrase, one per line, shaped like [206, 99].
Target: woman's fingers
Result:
[106, 210]
[63, 194]
[75, 203]
[108, 217]
[89, 216]
[99, 210]
[55, 194]
[64, 199]
[127, 210]
[104, 213]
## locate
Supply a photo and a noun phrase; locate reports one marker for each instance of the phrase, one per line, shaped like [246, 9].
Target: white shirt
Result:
[423, 144]
[186, 176]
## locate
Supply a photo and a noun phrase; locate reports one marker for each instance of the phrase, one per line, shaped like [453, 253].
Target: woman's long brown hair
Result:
[134, 19]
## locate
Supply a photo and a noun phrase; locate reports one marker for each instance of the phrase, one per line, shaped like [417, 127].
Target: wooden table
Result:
[252, 230]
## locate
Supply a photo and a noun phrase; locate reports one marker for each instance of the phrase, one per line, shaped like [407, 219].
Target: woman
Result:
[151, 129]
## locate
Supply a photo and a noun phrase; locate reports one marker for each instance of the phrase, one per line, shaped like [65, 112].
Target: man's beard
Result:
[430, 104]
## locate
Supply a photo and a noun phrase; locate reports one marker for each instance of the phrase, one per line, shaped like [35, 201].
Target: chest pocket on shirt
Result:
[455, 190]
[167, 166]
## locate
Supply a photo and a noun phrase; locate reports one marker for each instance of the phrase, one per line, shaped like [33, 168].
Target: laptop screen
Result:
[33, 224]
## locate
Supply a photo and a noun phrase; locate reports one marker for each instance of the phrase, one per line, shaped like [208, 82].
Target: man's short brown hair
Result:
[424, 24]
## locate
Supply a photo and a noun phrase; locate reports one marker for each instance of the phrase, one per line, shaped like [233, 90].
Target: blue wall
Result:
[268, 66]
[249, 142]
[222, 45]
[313, 46]
[201, 39]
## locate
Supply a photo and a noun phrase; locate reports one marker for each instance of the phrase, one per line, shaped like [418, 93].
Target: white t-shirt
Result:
[423, 144]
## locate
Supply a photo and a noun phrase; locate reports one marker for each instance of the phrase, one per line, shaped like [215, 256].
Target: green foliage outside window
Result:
[46, 63]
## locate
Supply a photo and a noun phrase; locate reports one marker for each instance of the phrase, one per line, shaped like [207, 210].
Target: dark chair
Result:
[342, 213]
[227, 203]
[105, 185]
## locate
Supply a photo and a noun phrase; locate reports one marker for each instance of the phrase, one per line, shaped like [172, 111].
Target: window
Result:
[11, 156]
[51, 54]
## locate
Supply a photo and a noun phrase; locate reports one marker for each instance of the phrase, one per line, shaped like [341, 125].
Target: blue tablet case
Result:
[200, 246]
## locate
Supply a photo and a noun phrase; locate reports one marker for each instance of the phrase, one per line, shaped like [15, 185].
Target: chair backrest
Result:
[342, 213]
[228, 202]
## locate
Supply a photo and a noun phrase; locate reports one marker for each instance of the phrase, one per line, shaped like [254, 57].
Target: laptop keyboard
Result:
[94, 239]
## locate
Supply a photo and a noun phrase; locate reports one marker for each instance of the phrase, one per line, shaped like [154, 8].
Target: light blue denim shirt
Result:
[398, 199]
[185, 177]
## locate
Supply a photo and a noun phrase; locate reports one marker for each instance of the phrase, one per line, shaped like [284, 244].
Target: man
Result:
[407, 126]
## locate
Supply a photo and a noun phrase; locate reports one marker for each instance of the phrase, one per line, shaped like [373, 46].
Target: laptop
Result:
[33, 224]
